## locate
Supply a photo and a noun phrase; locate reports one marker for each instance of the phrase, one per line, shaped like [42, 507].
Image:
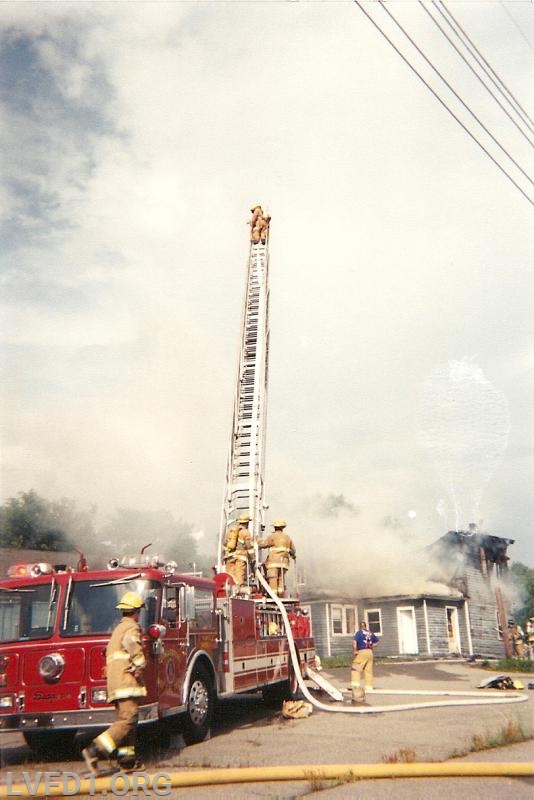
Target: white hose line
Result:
[511, 697]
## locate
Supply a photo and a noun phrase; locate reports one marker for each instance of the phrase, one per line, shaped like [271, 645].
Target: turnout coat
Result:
[124, 655]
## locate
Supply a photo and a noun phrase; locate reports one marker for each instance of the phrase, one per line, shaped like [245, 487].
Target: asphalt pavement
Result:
[247, 734]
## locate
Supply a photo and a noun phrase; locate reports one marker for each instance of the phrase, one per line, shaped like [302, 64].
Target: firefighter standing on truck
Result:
[281, 548]
[125, 662]
[238, 550]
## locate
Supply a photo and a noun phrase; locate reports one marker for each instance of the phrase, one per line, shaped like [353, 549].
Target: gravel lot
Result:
[247, 734]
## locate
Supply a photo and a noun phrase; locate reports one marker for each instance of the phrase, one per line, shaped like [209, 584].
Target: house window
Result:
[374, 620]
[343, 620]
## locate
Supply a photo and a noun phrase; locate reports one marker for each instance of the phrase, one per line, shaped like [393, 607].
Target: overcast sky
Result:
[135, 137]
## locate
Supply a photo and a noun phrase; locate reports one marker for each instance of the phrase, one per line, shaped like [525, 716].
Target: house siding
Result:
[474, 576]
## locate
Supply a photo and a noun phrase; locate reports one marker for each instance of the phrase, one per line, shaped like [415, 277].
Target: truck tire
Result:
[200, 706]
[51, 744]
[275, 694]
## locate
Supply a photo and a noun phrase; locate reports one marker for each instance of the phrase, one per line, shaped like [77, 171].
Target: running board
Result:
[322, 683]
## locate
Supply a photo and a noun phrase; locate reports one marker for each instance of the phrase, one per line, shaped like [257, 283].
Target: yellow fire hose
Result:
[118, 783]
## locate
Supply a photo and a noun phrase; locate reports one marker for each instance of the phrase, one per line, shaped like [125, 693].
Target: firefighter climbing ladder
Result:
[244, 491]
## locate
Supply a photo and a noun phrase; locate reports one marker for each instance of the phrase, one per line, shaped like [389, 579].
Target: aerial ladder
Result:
[244, 486]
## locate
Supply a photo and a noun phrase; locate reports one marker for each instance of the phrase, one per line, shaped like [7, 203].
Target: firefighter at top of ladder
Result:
[238, 550]
[259, 225]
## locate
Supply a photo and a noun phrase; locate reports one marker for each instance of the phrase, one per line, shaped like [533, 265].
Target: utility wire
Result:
[502, 5]
[519, 110]
[464, 59]
[455, 93]
[436, 95]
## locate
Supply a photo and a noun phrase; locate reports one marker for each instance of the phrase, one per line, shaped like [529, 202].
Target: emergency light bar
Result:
[137, 561]
[30, 570]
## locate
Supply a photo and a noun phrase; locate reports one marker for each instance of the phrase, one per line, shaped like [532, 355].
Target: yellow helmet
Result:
[244, 518]
[130, 601]
[253, 209]
[280, 523]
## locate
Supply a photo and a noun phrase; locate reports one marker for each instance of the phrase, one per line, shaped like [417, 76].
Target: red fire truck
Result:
[201, 639]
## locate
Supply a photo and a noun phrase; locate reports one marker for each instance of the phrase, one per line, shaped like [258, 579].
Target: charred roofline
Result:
[495, 547]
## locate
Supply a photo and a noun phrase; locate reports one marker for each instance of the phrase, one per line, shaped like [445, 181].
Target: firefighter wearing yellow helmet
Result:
[281, 549]
[125, 662]
[259, 225]
[238, 550]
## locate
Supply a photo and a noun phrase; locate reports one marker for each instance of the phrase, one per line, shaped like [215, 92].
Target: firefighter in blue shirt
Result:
[362, 646]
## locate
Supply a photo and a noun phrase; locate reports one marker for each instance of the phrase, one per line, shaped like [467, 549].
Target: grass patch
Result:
[509, 665]
[346, 661]
[403, 756]
[511, 732]
[318, 781]
[336, 661]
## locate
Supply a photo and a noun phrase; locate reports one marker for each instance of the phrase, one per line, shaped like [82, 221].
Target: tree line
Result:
[31, 522]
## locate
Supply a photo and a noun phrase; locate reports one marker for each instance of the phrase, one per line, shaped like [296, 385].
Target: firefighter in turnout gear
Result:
[256, 224]
[238, 550]
[530, 638]
[363, 642]
[518, 638]
[125, 662]
[259, 225]
[281, 548]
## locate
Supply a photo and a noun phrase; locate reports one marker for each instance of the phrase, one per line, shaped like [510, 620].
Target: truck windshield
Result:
[90, 607]
[28, 613]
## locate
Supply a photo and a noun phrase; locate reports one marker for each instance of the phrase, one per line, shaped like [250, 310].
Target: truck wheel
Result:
[51, 744]
[274, 695]
[200, 705]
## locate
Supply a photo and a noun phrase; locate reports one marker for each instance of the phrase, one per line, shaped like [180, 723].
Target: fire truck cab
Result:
[202, 641]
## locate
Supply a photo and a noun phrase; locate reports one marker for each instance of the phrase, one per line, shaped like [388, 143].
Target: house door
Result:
[407, 630]
[453, 630]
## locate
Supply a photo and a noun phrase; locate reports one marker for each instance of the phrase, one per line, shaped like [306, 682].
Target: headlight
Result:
[99, 696]
[7, 701]
[51, 667]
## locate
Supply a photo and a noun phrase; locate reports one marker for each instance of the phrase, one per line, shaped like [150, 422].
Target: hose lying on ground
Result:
[160, 782]
[494, 699]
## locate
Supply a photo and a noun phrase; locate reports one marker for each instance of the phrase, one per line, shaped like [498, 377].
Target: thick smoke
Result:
[342, 550]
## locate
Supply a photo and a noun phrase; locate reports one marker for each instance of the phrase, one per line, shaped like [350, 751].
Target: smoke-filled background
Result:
[135, 138]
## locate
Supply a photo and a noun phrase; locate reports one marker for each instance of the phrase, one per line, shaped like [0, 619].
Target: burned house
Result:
[461, 614]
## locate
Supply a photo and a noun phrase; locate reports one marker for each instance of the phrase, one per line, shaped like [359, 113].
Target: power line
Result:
[436, 95]
[516, 25]
[435, 21]
[455, 93]
[519, 110]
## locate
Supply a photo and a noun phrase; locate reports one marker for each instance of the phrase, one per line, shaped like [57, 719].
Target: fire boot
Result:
[358, 694]
[130, 765]
[90, 755]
